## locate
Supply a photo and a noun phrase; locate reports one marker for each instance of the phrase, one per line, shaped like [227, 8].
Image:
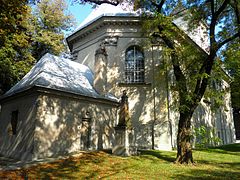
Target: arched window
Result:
[134, 65]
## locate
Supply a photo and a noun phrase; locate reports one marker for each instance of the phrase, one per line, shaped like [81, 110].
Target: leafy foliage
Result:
[232, 55]
[205, 137]
[26, 33]
[15, 41]
[50, 21]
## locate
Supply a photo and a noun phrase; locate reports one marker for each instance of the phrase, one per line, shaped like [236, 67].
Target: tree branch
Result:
[212, 7]
[228, 40]
[161, 3]
[215, 16]
[236, 6]
[99, 2]
[202, 82]
[179, 75]
[212, 25]
[222, 7]
[158, 5]
[206, 68]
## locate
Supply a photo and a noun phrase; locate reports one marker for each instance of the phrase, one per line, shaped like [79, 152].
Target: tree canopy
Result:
[15, 42]
[50, 20]
[27, 31]
[232, 63]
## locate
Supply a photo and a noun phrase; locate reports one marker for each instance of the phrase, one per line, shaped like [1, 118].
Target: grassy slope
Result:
[217, 163]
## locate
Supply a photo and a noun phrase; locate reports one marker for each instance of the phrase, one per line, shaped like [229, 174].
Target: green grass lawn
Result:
[215, 163]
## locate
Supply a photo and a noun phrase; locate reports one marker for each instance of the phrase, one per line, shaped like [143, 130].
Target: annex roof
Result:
[60, 74]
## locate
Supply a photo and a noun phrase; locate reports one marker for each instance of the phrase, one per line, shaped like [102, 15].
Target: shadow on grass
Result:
[109, 173]
[230, 165]
[87, 166]
[233, 149]
[95, 165]
[207, 174]
[230, 147]
[168, 156]
[59, 169]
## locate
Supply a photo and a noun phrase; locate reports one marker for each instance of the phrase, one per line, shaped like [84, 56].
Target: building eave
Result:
[44, 90]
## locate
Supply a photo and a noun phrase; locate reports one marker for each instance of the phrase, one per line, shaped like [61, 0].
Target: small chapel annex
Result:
[63, 106]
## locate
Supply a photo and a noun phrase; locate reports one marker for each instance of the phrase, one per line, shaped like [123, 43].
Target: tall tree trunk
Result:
[184, 150]
[184, 147]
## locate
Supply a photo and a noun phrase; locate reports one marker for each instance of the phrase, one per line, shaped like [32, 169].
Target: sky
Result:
[80, 12]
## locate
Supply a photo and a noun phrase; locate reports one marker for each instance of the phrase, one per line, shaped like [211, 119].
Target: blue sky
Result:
[80, 12]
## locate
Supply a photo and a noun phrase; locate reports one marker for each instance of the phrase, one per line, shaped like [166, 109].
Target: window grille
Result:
[134, 65]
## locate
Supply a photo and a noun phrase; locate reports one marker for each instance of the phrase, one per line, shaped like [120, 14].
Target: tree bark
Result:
[184, 148]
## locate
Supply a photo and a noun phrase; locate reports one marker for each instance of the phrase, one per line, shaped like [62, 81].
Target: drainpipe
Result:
[154, 99]
[168, 106]
[221, 123]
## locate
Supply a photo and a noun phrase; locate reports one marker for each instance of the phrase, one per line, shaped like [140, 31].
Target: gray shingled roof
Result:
[60, 74]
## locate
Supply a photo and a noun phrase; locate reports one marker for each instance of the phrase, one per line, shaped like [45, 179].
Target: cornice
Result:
[100, 23]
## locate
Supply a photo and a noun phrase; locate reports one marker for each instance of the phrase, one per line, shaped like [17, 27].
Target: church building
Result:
[63, 106]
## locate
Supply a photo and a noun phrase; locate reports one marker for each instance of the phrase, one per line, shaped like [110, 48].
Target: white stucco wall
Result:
[141, 97]
[19, 146]
[198, 33]
[59, 127]
[218, 119]
[51, 125]
[224, 117]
